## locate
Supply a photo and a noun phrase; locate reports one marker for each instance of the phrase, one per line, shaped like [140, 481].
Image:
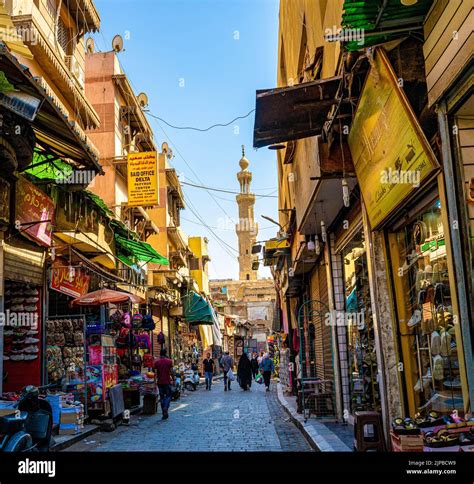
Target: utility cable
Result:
[202, 130]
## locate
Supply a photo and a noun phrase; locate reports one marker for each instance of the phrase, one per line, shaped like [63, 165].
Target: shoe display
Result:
[31, 349]
[30, 308]
[415, 318]
[31, 300]
[30, 357]
[17, 357]
[31, 340]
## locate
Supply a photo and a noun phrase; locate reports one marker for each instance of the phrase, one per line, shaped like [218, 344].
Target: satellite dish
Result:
[142, 99]
[90, 46]
[117, 43]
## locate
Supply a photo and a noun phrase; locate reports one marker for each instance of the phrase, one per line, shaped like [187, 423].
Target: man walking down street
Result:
[226, 363]
[267, 367]
[208, 366]
[163, 368]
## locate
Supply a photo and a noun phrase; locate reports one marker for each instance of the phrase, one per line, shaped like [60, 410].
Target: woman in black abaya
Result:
[244, 372]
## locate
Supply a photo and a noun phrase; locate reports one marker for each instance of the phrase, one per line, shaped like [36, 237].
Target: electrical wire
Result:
[202, 130]
[222, 190]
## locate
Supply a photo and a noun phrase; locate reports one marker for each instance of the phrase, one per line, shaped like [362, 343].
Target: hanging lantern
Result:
[311, 245]
[317, 245]
[324, 236]
[345, 192]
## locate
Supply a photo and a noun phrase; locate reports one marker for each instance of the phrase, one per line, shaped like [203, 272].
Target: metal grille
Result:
[316, 377]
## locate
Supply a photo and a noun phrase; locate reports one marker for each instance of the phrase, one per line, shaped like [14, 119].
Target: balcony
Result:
[55, 65]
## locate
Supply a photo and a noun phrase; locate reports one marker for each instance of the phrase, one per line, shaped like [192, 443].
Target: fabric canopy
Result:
[379, 21]
[197, 310]
[103, 296]
[143, 251]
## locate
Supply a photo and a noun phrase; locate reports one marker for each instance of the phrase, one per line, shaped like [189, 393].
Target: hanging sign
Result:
[34, 212]
[390, 153]
[142, 179]
[72, 281]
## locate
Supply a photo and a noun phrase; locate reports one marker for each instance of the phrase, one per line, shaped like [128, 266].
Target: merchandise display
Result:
[22, 335]
[364, 388]
[65, 349]
[428, 306]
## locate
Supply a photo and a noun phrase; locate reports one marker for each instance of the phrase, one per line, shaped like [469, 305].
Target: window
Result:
[194, 264]
[64, 37]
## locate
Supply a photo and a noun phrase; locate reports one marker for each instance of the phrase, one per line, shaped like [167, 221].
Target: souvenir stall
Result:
[117, 345]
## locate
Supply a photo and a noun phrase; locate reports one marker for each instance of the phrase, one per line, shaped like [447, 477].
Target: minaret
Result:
[246, 229]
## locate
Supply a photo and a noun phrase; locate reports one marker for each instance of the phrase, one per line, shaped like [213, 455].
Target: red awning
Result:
[103, 296]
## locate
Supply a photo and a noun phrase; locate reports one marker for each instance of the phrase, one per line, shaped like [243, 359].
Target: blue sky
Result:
[200, 63]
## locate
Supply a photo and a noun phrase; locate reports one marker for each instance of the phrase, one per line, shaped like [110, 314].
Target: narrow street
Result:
[207, 421]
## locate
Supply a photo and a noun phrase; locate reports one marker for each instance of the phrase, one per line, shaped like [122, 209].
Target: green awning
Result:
[143, 251]
[379, 21]
[47, 167]
[197, 310]
[100, 203]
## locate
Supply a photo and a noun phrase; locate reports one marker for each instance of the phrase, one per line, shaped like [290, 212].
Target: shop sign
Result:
[142, 179]
[4, 201]
[68, 280]
[390, 153]
[34, 212]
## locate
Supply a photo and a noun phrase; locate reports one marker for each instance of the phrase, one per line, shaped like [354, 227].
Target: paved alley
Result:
[207, 421]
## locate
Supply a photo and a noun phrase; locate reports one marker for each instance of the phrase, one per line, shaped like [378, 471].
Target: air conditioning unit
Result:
[75, 69]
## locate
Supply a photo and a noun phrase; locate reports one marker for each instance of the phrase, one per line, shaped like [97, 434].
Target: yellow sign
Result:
[390, 152]
[142, 179]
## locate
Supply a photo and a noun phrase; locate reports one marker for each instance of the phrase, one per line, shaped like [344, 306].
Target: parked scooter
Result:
[191, 379]
[176, 388]
[30, 428]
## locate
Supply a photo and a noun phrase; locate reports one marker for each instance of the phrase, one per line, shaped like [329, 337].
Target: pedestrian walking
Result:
[244, 372]
[260, 358]
[254, 363]
[163, 368]
[226, 364]
[267, 367]
[208, 366]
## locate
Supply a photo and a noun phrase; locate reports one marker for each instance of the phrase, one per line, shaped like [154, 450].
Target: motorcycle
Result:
[191, 379]
[176, 388]
[30, 428]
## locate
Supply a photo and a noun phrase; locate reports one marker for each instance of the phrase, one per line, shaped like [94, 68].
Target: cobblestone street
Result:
[208, 421]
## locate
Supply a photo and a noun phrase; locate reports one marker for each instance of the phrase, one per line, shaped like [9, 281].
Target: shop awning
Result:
[197, 310]
[104, 296]
[54, 131]
[295, 112]
[370, 22]
[143, 251]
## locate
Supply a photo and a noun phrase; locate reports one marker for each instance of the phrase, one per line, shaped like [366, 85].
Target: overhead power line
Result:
[202, 130]
[223, 190]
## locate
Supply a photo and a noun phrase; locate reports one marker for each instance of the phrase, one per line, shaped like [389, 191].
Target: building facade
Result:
[374, 190]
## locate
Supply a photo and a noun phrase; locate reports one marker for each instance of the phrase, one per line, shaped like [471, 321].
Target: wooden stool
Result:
[368, 432]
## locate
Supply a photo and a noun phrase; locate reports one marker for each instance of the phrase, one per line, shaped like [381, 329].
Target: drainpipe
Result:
[458, 255]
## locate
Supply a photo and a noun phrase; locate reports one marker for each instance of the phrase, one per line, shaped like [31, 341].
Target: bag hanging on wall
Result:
[148, 323]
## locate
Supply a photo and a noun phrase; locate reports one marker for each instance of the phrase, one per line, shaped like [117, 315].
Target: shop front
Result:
[404, 197]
